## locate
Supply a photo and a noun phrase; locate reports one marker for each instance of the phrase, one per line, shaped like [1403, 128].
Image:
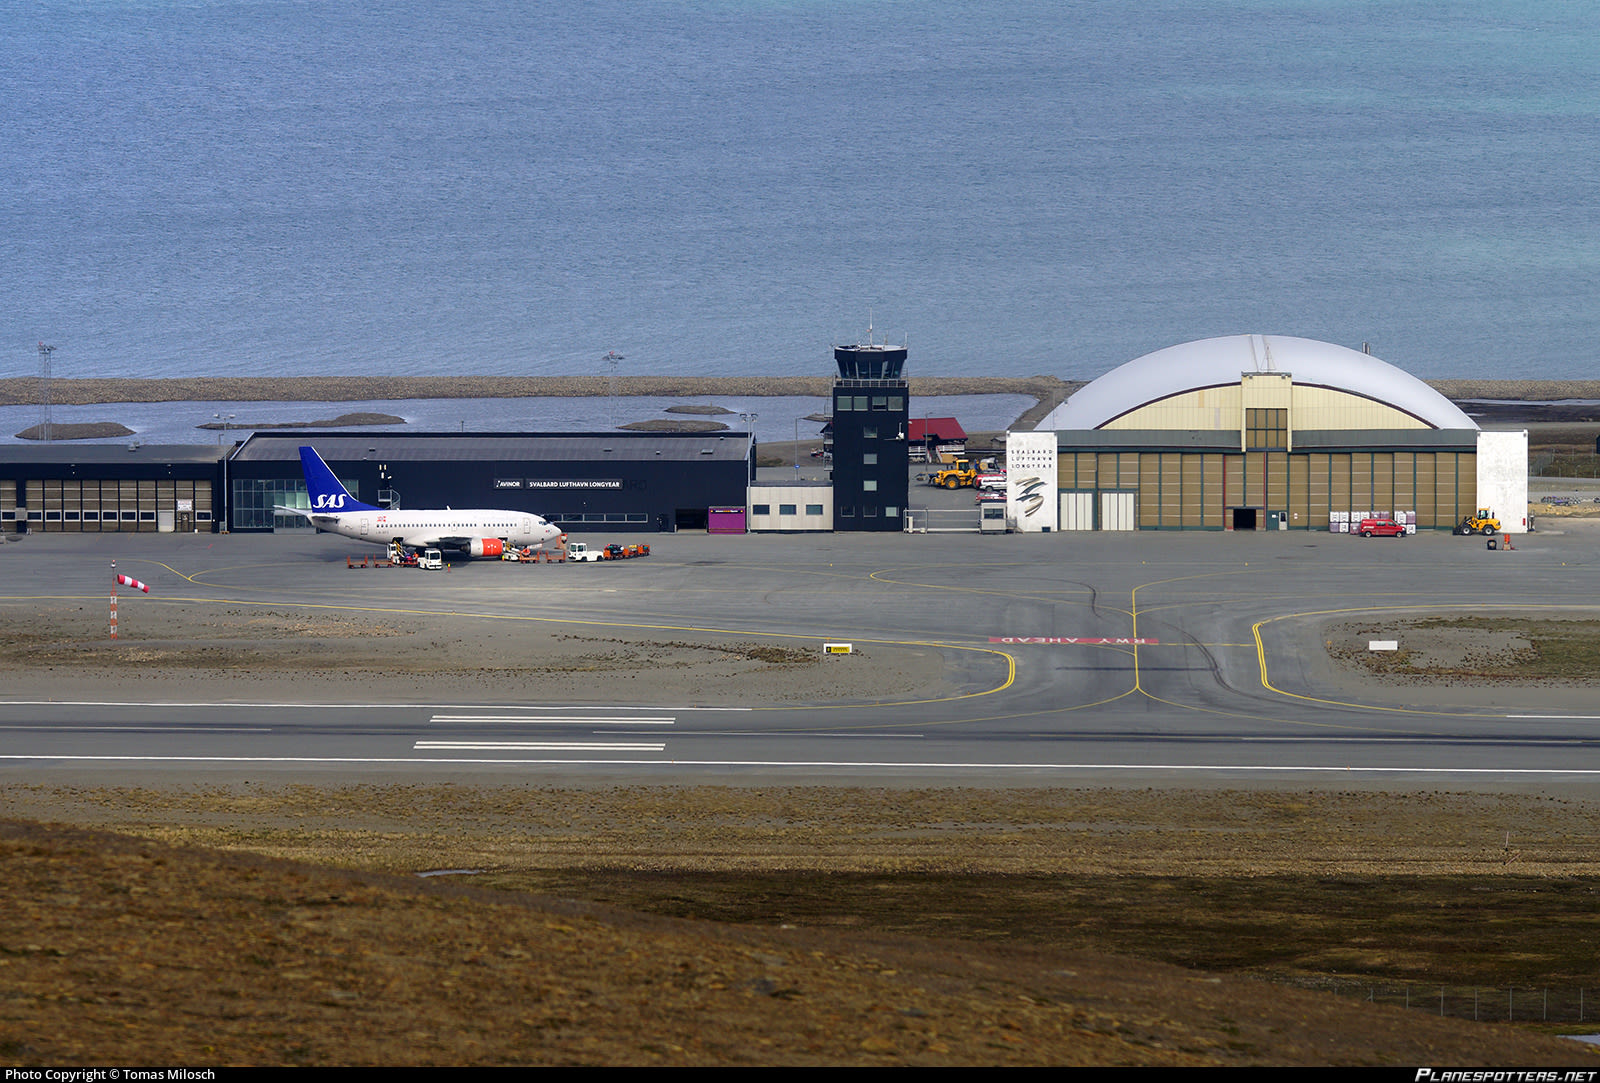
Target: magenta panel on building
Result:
[725, 521]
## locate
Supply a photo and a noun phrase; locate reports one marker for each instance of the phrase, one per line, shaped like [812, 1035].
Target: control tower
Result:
[870, 411]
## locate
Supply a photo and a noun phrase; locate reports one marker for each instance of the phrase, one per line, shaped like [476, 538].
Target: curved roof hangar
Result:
[1218, 362]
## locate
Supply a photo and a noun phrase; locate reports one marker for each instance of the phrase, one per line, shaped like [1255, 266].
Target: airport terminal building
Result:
[1267, 432]
[622, 481]
[619, 481]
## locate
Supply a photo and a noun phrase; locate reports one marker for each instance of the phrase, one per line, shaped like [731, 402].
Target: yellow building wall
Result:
[1317, 408]
[1210, 409]
[1218, 409]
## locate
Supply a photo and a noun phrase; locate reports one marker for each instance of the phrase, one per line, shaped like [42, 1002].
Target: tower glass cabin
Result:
[870, 463]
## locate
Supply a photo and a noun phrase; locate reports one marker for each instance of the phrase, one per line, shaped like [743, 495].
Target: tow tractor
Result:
[582, 554]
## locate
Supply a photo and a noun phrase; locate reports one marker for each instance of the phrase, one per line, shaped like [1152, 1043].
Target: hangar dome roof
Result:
[1214, 362]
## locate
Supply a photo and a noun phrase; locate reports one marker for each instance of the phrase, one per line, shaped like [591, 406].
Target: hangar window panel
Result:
[1149, 486]
[1318, 491]
[1405, 481]
[1171, 490]
[1361, 482]
[1427, 498]
[1193, 472]
[1105, 470]
[760, 509]
[1299, 494]
[1383, 482]
[1276, 495]
[1339, 481]
[1083, 471]
[1265, 428]
[1128, 471]
[786, 509]
[1211, 497]
[813, 509]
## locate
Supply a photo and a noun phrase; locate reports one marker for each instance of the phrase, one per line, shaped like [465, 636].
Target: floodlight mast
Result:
[44, 388]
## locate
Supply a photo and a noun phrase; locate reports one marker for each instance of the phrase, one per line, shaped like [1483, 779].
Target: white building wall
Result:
[774, 498]
[1031, 472]
[1503, 478]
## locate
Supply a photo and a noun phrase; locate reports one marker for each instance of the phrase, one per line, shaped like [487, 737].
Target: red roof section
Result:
[935, 428]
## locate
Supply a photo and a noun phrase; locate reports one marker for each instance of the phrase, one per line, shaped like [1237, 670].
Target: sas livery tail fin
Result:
[326, 493]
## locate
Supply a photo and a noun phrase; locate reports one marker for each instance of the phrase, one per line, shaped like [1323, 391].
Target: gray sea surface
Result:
[721, 187]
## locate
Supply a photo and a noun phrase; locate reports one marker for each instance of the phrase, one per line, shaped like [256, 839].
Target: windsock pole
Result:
[126, 581]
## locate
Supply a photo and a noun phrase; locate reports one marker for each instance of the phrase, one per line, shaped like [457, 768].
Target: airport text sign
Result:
[574, 483]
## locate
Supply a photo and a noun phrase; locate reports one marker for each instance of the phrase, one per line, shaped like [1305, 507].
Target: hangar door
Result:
[1077, 511]
[1117, 511]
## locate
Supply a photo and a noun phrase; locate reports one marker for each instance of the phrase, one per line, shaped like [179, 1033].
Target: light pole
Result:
[44, 385]
[749, 421]
[611, 358]
[227, 498]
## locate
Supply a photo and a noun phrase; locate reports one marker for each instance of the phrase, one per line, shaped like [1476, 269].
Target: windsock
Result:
[130, 581]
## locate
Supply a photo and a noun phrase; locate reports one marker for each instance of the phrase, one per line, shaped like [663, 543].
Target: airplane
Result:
[478, 532]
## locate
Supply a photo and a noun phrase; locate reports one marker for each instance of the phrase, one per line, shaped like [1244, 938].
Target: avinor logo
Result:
[328, 501]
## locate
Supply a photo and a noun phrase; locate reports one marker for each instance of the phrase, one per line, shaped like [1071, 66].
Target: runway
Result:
[1210, 666]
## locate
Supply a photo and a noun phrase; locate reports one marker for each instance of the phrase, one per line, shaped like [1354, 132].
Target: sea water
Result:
[722, 187]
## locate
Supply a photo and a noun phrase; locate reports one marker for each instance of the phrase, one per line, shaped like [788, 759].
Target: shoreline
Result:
[25, 390]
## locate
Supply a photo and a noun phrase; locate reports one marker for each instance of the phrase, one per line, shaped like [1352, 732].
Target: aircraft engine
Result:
[486, 547]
